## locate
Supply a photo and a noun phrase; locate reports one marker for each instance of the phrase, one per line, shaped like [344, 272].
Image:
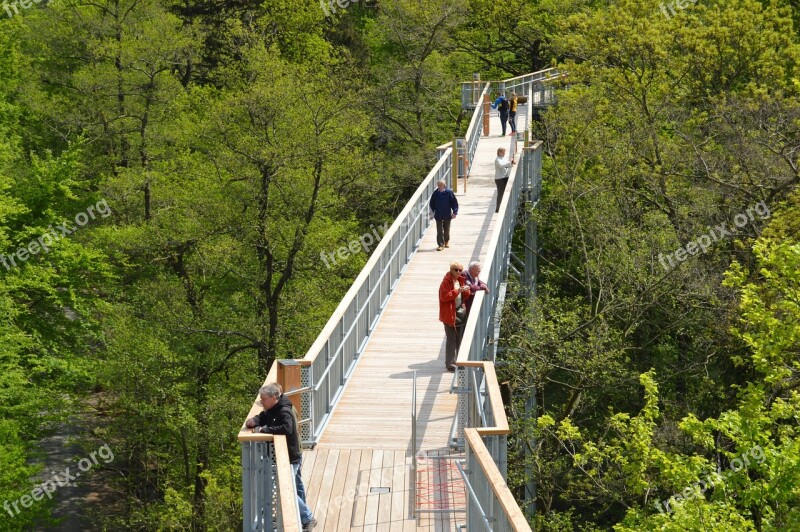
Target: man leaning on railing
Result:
[279, 417]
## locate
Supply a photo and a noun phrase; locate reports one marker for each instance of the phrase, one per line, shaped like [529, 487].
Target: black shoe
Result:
[310, 525]
[451, 369]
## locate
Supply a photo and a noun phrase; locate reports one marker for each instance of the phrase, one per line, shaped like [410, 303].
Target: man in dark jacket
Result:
[445, 208]
[278, 417]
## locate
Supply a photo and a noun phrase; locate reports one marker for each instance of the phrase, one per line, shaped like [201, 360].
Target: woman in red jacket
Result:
[453, 294]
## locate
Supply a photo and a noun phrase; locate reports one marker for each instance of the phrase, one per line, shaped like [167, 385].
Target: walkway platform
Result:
[367, 442]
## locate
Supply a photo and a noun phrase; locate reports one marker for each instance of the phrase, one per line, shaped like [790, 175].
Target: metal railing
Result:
[332, 357]
[330, 361]
[527, 82]
[491, 505]
[475, 128]
[471, 93]
[267, 478]
[269, 494]
[414, 444]
[476, 345]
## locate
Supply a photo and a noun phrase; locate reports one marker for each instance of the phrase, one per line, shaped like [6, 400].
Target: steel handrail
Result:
[473, 496]
[414, 444]
[338, 351]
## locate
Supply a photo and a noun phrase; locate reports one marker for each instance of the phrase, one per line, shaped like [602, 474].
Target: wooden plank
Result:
[328, 477]
[385, 499]
[371, 511]
[399, 510]
[360, 503]
[350, 491]
[336, 496]
[309, 457]
[315, 482]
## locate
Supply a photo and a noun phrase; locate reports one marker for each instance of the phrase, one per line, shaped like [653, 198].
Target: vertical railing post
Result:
[290, 379]
[486, 111]
[454, 171]
[247, 481]
[414, 445]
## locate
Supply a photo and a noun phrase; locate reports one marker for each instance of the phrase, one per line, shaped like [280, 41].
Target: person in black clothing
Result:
[502, 105]
[278, 417]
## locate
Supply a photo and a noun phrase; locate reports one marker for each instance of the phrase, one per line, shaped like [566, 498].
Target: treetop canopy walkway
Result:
[393, 441]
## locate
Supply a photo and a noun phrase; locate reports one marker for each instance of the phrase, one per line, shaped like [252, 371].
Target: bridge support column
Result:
[530, 486]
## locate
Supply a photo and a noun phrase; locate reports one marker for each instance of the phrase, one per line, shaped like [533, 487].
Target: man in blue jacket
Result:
[503, 106]
[445, 208]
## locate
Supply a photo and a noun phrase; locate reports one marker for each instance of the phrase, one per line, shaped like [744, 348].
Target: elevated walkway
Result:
[370, 428]
[354, 388]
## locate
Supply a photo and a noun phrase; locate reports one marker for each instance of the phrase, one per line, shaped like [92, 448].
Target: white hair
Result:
[273, 389]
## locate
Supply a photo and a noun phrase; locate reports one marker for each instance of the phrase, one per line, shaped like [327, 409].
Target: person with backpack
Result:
[502, 105]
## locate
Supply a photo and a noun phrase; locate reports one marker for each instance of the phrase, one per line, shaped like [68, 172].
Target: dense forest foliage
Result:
[170, 173]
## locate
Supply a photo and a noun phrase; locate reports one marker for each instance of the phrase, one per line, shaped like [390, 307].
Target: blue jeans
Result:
[298, 480]
[305, 511]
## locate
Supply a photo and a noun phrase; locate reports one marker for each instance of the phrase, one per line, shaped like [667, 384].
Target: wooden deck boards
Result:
[367, 442]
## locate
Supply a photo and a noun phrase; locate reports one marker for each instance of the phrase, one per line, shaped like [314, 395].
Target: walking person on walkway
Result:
[512, 112]
[278, 417]
[453, 294]
[502, 167]
[445, 208]
[502, 105]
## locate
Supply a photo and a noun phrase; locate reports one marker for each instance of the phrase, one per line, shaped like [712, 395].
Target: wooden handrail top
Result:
[496, 481]
[286, 488]
[534, 146]
[249, 435]
[496, 400]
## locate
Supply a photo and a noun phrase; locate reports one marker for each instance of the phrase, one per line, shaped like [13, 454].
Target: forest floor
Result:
[78, 502]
